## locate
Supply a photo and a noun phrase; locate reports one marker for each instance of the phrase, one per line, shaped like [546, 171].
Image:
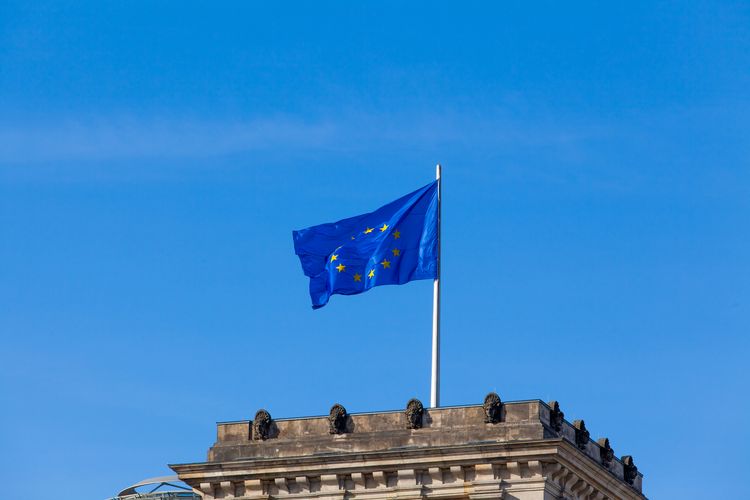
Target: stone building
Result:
[499, 450]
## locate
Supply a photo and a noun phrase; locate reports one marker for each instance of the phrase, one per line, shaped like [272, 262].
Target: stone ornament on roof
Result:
[337, 419]
[582, 435]
[606, 453]
[556, 416]
[414, 413]
[262, 425]
[630, 471]
[493, 408]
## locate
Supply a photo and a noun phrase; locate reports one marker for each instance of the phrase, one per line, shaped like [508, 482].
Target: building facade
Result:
[522, 450]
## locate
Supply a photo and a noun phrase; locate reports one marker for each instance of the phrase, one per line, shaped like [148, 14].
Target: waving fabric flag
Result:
[393, 245]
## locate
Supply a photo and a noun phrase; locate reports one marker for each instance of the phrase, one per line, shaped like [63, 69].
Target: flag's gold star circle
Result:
[396, 234]
[341, 267]
[385, 226]
[334, 257]
[386, 264]
[396, 252]
[357, 277]
[371, 273]
[368, 230]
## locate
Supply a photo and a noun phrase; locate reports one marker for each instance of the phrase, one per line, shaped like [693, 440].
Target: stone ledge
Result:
[557, 464]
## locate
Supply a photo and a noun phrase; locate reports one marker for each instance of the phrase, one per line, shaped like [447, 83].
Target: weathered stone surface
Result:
[454, 453]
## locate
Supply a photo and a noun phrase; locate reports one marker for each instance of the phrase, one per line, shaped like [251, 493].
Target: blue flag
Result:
[393, 245]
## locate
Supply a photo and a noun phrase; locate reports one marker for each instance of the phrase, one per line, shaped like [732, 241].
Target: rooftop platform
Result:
[520, 449]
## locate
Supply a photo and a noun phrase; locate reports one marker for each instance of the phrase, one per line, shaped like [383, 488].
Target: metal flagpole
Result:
[435, 385]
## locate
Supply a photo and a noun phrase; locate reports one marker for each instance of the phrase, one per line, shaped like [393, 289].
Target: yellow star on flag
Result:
[341, 267]
[396, 252]
[386, 264]
[396, 234]
[333, 257]
[357, 277]
[368, 230]
[371, 273]
[385, 226]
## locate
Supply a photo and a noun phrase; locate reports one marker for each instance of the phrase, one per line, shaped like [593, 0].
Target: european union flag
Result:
[393, 245]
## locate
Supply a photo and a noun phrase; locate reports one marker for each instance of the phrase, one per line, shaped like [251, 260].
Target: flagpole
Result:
[435, 383]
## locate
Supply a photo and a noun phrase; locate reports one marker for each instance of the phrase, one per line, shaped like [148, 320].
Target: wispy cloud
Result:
[128, 137]
[102, 138]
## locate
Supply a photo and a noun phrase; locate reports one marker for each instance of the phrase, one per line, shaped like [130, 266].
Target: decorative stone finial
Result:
[493, 408]
[606, 453]
[337, 419]
[262, 425]
[582, 435]
[414, 412]
[630, 471]
[556, 416]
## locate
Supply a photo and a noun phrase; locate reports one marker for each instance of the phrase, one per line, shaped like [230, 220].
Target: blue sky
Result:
[155, 157]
